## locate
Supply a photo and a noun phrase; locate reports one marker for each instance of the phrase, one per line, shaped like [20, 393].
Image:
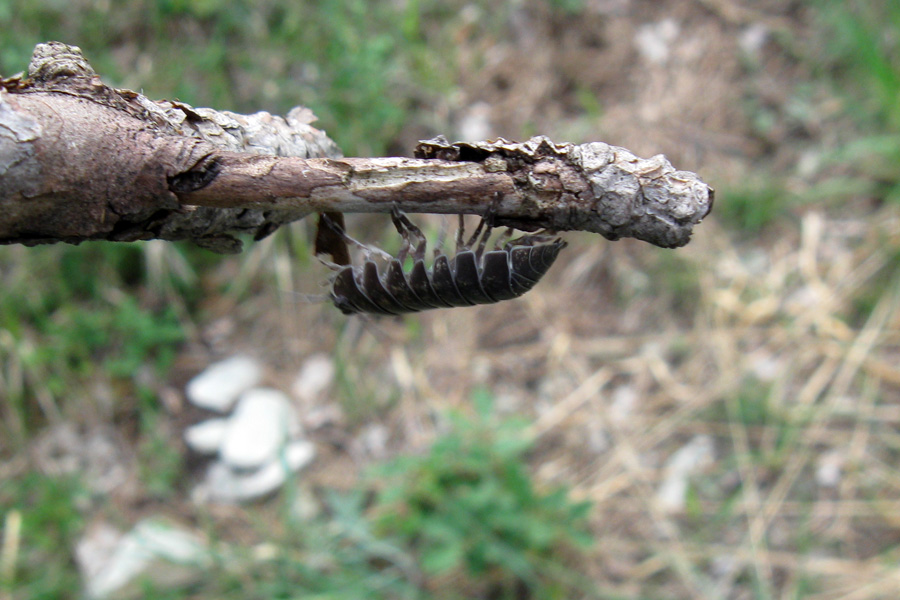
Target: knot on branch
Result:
[55, 60]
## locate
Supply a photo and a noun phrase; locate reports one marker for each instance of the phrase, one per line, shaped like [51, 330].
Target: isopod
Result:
[470, 277]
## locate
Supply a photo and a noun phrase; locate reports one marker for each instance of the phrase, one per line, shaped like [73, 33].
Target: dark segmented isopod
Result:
[470, 277]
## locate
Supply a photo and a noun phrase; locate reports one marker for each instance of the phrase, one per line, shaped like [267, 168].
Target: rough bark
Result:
[80, 160]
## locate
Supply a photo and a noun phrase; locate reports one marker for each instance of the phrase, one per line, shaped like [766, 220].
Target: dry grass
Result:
[771, 330]
[623, 357]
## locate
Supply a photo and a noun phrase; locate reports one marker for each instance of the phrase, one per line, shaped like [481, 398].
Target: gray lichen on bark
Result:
[591, 187]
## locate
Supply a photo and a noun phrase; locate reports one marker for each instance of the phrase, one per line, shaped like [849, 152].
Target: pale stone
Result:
[625, 399]
[316, 374]
[206, 437]
[686, 461]
[372, 441]
[97, 454]
[475, 123]
[110, 561]
[752, 40]
[654, 40]
[262, 421]
[222, 383]
[828, 469]
[226, 485]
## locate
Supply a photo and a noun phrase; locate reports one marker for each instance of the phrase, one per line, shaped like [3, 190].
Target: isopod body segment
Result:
[470, 277]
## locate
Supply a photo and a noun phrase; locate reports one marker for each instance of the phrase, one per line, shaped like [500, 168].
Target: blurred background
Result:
[717, 421]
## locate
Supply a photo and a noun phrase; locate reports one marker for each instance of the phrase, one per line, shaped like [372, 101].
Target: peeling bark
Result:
[80, 160]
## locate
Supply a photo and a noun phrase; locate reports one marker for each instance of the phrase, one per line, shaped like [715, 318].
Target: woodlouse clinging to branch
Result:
[470, 277]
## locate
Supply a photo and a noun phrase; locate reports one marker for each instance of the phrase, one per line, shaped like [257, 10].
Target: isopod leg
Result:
[419, 279]
[408, 229]
[442, 236]
[479, 252]
[404, 247]
[477, 233]
[368, 250]
[502, 242]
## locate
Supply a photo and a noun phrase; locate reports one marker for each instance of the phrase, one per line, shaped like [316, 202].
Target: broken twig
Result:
[80, 160]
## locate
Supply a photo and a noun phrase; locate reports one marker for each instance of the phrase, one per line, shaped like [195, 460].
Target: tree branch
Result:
[80, 160]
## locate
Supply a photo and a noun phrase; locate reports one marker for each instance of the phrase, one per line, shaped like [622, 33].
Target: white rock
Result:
[476, 121]
[315, 376]
[221, 383]
[305, 505]
[372, 441]
[828, 469]
[206, 437]
[224, 484]
[319, 416]
[93, 553]
[624, 400]
[597, 438]
[765, 366]
[96, 454]
[687, 460]
[298, 454]
[654, 40]
[262, 421]
[752, 39]
[109, 561]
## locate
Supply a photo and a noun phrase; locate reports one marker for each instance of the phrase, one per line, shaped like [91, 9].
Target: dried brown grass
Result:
[774, 358]
[776, 320]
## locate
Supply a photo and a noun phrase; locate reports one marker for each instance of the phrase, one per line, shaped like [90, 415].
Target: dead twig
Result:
[80, 160]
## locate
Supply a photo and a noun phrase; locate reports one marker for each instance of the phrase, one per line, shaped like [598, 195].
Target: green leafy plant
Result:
[359, 65]
[159, 461]
[753, 206]
[469, 508]
[335, 556]
[79, 313]
[123, 337]
[861, 44]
